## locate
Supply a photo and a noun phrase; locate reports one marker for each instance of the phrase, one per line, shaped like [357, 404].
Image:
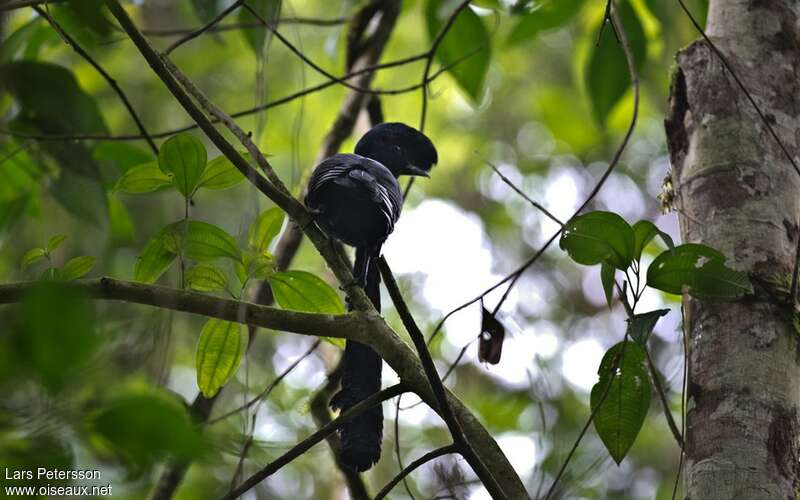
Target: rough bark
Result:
[737, 192]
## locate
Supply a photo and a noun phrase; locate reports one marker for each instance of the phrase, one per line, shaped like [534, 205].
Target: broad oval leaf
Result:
[49, 95]
[77, 267]
[219, 353]
[206, 278]
[546, 16]
[144, 179]
[55, 242]
[202, 241]
[184, 156]
[465, 49]
[701, 270]
[621, 399]
[303, 291]
[606, 73]
[220, 173]
[265, 228]
[594, 237]
[156, 256]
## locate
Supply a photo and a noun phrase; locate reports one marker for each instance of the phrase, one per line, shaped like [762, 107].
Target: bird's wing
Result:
[369, 175]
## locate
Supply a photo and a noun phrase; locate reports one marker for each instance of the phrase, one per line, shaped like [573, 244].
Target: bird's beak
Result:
[415, 170]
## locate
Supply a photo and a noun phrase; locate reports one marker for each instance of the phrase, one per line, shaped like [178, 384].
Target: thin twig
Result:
[199, 31]
[429, 62]
[19, 4]
[618, 362]
[269, 388]
[683, 401]
[111, 81]
[316, 67]
[453, 425]
[397, 453]
[676, 433]
[431, 455]
[520, 192]
[217, 28]
[313, 439]
[257, 109]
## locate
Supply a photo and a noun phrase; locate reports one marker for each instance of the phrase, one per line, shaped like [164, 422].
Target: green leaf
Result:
[184, 157]
[593, 237]
[50, 97]
[626, 386]
[55, 242]
[303, 291]
[122, 230]
[156, 256]
[206, 278]
[268, 10]
[548, 15]
[607, 272]
[701, 270]
[202, 241]
[32, 256]
[220, 173]
[25, 42]
[219, 353]
[143, 427]
[466, 43]
[265, 228]
[644, 231]
[641, 326]
[77, 267]
[144, 179]
[606, 73]
[85, 20]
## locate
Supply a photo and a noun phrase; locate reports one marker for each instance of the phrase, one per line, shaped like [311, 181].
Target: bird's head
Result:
[400, 148]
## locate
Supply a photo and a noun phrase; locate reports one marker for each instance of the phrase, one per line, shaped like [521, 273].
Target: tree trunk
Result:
[737, 192]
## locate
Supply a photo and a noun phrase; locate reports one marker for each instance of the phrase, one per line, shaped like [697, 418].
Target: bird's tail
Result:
[361, 377]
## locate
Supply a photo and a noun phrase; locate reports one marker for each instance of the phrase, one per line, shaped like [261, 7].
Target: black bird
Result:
[356, 198]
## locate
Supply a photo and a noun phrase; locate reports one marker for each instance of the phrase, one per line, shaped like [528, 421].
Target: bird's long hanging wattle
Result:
[361, 377]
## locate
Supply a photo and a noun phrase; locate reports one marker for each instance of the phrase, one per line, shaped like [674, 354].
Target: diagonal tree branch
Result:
[313, 439]
[431, 455]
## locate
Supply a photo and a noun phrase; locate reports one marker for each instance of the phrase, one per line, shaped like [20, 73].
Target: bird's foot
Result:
[359, 281]
[314, 213]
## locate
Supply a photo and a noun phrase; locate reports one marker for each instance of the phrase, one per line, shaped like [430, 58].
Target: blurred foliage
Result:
[103, 386]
